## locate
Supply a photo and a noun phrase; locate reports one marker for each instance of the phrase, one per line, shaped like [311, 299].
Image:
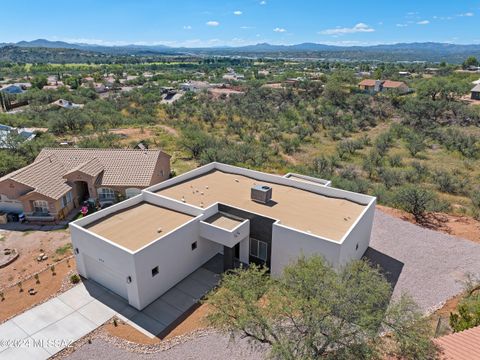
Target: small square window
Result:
[194, 245]
[155, 271]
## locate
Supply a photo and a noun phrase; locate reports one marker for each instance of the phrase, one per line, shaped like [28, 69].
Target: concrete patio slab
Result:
[162, 312]
[97, 312]
[11, 331]
[43, 315]
[147, 325]
[76, 297]
[192, 287]
[25, 353]
[178, 299]
[206, 277]
[65, 331]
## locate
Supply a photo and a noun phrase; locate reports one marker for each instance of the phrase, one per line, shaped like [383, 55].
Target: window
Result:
[40, 206]
[66, 199]
[106, 194]
[155, 271]
[131, 192]
[258, 249]
[194, 245]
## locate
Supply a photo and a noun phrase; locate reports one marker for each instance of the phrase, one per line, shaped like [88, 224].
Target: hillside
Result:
[431, 51]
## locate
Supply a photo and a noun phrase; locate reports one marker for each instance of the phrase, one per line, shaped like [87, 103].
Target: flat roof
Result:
[138, 225]
[224, 221]
[300, 209]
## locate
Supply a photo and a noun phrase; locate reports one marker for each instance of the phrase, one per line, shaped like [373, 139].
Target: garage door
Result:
[99, 272]
[9, 205]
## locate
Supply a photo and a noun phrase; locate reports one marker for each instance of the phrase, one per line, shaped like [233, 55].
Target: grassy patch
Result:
[62, 250]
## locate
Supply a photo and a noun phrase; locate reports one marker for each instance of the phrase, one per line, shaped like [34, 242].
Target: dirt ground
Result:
[195, 321]
[30, 244]
[16, 301]
[133, 134]
[456, 225]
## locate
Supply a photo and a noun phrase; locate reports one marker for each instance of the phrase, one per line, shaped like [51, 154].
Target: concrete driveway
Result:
[50, 327]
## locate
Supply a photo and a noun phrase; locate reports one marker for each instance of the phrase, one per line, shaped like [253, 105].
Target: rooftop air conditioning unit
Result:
[261, 193]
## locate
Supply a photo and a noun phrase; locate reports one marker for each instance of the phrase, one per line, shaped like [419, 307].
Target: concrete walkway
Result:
[50, 327]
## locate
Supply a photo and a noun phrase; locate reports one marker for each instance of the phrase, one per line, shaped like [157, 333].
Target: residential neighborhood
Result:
[242, 180]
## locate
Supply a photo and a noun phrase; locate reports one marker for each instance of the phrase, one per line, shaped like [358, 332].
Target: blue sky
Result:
[228, 22]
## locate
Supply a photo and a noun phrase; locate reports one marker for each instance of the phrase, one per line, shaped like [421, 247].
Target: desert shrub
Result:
[384, 142]
[421, 171]
[372, 162]
[74, 279]
[395, 160]
[449, 183]
[356, 185]
[415, 200]
[414, 143]
[391, 177]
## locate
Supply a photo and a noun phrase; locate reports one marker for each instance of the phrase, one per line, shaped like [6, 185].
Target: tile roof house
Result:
[476, 92]
[375, 86]
[61, 179]
[464, 345]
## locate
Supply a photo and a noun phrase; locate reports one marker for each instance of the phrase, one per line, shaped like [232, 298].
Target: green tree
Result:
[470, 61]
[39, 81]
[313, 311]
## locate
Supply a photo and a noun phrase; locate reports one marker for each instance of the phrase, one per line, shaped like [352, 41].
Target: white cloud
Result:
[468, 14]
[212, 23]
[247, 27]
[263, 3]
[401, 25]
[423, 22]
[187, 27]
[237, 12]
[279, 30]
[359, 28]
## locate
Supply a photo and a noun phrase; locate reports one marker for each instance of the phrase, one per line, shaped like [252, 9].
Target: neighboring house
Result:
[375, 86]
[195, 86]
[59, 180]
[13, 89]
[143, 246]
[475, 92]
[65, 104]
[459, 346]
[7, 132]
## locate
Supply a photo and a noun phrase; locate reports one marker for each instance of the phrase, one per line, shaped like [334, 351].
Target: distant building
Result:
[61, 179]
[65, 104]
[7, 131]
[476, 92]
[195, 86]
[375, 86]
[17, 88]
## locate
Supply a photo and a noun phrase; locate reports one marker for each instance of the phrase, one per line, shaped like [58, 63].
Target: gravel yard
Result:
[433, 265]
[429, 265]
[212, 347]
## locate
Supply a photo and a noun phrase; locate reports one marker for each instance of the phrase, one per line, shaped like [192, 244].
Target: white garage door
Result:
[9, 205]
[99, 272]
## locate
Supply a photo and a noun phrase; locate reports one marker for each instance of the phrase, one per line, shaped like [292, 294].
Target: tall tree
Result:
[313, 311]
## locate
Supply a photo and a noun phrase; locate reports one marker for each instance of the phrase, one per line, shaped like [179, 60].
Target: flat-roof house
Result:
[375, 86]
[143, 246]
[475, 92]
[61, 179]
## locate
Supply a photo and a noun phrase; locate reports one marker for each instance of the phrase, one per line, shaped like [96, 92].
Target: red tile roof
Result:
[464, 345]
[393, 84]
[367, 82]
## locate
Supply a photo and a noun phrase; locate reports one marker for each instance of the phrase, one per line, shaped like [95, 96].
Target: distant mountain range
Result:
[429, 51]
